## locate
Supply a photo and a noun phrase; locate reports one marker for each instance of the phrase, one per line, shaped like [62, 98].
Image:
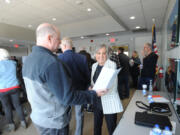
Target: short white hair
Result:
[43, 30]
[4, 54]
[67, 41]
[148, 45]
[100, 47]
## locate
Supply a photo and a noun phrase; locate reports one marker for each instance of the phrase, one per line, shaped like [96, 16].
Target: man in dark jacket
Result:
[49, 86]
[80, 75]
[149, 66]
[123, 77]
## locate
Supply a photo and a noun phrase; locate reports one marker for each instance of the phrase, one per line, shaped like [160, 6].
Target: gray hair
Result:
[43, 31]
[102, 46]
[149, 45]
[4, 54]
[66, 41]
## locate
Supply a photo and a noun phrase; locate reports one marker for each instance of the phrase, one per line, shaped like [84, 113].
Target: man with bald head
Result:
[48, 85]
[149, 66]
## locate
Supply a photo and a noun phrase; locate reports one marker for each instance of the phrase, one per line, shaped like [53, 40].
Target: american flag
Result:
[155, 50]
[154, 46]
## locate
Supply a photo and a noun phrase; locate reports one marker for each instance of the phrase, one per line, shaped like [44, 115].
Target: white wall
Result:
[135, 42]
[17, 51]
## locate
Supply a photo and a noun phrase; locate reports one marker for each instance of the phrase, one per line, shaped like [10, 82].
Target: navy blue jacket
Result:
[49, 89]
[78, 67]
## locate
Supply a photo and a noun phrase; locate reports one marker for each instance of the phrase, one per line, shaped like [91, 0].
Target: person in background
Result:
[14, 58]
[149, 66]
[114, 57]
[80, 74]
[103, 61]
[49, 86]
[134, 68]
[123, 77]
[89, 59]
[9, 90]
[170, 79]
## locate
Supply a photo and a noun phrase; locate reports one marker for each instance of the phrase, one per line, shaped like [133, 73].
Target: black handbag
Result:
[159, 108]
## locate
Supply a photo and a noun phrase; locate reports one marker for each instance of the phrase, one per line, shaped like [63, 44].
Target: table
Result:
[127, 126]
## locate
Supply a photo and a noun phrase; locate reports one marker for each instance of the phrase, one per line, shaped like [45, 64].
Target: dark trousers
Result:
[52, 131]
[135, 81]
[123, 81]
[98, 121]
[6, 99]
[144, 80]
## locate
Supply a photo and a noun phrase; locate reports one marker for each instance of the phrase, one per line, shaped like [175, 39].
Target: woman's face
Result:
[133, 54]
[101, 56]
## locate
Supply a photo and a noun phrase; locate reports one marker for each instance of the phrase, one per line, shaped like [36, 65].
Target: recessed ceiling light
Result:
[7, 1]
[138, 27]
[54, 19]
[30, 26]
[107, 34]
[132, 17]
[89, 9]
[82, 37]
[10, 40]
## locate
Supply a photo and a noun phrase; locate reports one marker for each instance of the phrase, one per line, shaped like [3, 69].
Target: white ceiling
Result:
[73, 19]
[143, 10]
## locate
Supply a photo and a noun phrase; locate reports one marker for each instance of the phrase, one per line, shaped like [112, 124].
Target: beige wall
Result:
[17, 33]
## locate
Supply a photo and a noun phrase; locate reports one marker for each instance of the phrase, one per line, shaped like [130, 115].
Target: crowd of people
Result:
[56, 83]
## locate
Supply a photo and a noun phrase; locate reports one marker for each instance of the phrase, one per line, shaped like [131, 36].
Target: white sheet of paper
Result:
[160, 100]
[106, 78]
[110, 102]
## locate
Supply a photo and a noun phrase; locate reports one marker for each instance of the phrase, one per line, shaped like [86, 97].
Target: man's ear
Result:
[49, 37]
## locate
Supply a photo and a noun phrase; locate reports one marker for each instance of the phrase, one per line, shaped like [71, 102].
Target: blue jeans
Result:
[52, 131]
[79, 119]
[6, 99]
[144, 80]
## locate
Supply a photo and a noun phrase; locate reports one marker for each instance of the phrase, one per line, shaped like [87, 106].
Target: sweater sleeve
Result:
[60, 84]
